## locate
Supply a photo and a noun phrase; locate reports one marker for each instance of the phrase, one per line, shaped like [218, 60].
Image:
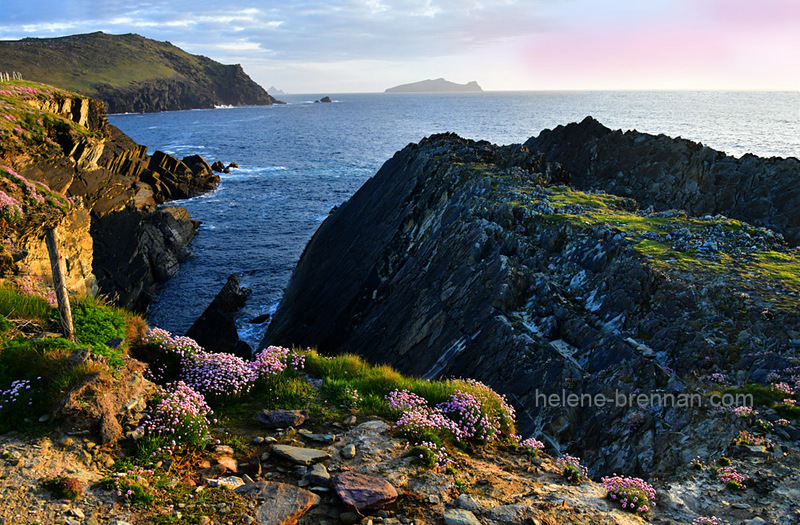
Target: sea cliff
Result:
[59, 145]
[465, 259]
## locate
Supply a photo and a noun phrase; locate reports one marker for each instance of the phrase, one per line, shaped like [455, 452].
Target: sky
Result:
[342, 46]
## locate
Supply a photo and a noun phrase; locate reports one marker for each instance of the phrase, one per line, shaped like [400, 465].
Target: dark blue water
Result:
[299, 160]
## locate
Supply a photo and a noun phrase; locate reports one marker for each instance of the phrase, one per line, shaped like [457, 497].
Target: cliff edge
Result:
[466, 259]
[62, 164]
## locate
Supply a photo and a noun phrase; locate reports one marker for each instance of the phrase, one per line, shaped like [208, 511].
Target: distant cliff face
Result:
[438, 85]
[465, 259]
[130, 73]
[58, 145]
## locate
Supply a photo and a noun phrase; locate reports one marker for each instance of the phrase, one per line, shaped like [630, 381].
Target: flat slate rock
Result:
[282, 418]
[361, 491]
[299, 455]
[283, 503]
[460, 517]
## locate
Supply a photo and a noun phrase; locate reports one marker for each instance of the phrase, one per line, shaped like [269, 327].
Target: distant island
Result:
[275, 92]
[439, 85]
[131, 73]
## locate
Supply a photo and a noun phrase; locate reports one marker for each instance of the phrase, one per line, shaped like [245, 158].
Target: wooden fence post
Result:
[59, 268]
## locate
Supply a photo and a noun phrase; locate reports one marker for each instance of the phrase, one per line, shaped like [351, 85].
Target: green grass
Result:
[17, 305]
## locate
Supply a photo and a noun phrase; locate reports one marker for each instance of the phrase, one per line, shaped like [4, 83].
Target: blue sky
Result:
[305, 46]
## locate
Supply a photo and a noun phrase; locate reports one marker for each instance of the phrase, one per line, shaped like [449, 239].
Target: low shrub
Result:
[178, 420]
[63, 487]
[571, 469]
[633, 494]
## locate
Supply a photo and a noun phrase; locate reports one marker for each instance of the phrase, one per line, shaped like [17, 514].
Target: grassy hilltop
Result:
[131, 73]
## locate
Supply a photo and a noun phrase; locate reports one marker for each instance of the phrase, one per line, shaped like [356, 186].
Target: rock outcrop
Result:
[215, 329]
[130, 73]
[115, 239]
[665, 173]
[460, 258]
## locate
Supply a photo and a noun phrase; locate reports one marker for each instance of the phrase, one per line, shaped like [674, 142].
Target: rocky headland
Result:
[130, 73]
[465, 259]
[64, 165]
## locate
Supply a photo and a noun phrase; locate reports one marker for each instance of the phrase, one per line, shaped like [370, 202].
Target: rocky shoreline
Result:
[118, 241]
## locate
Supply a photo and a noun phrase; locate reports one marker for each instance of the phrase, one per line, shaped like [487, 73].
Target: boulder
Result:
[215, 330]
[325, 99]
[318, 475]
[218, 166]
[282, 418]
[362, 492]
[282, 503]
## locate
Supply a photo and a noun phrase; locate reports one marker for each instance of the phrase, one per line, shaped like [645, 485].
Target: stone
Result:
[460, 517]
[318, 475]
[282, 503]
[469, 502]
[230, 464]
[299, 455]
[282, 418]
[78, 513]
[362, 491]
[319, 438]
[224, 450]
[348, 451]
[213, 472]
[231, 482]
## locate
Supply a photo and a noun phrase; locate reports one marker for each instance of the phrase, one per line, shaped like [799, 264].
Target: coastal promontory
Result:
[438, 85]
[603, 277]
[131, 73]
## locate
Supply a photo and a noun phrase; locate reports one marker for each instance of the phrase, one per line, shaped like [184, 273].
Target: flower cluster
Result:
[352, 399]
[633, 494]
[696, 464]
[11, 395]
[422, 422]
[782, 422]
[783, 388]
[34, 285]
[218, 374]
[9, 207]
[570, 467]
[716, 378]
[466, 411]
[431, 455]
[179, 418]
[132, 484]
[710, 520]
[635, 420]
[532, 446]
[274, 359]
[405, 401]
[744, 411]
[178, 345]
[732, 479]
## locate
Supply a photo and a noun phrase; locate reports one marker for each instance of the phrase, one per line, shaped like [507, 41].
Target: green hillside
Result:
[130, 72]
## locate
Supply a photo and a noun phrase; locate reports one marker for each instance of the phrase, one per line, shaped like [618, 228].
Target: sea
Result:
[299, 160]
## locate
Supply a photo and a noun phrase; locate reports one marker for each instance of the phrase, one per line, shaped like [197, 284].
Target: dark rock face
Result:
[464, 259]
[135, 246]
[215, 329]
[676, 173]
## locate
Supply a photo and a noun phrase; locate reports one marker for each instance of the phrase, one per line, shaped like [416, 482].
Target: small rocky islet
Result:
[587, 263]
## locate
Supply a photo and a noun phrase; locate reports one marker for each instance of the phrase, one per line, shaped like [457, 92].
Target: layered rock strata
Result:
[465, 259]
